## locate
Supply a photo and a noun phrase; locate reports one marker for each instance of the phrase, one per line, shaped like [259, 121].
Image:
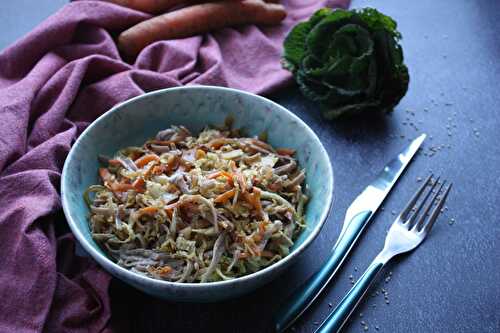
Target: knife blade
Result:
[357, 217]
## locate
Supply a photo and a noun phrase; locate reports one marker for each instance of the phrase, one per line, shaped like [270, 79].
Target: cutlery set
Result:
[407, 232]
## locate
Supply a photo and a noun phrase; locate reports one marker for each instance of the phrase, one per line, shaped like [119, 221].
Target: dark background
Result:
[452, 282]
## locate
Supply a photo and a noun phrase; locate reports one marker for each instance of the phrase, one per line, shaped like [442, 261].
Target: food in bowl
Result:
[204, 208]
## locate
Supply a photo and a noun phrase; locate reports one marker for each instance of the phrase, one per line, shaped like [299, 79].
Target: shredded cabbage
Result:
[204, 208]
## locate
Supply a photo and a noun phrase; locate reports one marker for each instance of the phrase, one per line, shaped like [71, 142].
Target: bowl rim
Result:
[113, 267]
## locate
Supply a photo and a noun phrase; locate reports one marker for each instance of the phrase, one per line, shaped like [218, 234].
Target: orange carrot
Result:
[146, 159]
[164, 270]
[139, 185]
[241, 182]
[285, 151]
[225, 174]
[225, 196]
[150, 211]
[254, 200]
[105, 175]
[154, 6]
[193, 20]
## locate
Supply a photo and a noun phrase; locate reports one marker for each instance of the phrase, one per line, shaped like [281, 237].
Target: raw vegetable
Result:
[196, 19]
[203, 218]
[348, 61]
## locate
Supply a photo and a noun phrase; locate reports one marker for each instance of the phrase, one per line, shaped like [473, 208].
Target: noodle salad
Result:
[204, 208]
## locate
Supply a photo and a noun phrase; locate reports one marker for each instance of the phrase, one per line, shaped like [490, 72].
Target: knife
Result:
[357, 217]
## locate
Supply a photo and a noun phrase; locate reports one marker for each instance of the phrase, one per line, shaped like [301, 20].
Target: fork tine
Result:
[412, 218]
[437, 210]
[415, 197]
[420, 222]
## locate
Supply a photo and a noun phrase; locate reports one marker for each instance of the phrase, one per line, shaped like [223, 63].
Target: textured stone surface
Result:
[450, 284]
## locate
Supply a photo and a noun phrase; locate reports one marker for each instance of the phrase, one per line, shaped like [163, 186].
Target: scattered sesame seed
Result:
[361, 314]
[316, 323]
[330, 304]
[393, 212]
[365, 328]
[377, 328]
[383, 290]
[363, 323]
[386, 301]
[419, 179]
[355, 269]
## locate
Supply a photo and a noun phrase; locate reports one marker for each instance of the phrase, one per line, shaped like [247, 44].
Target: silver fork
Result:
[406, 233]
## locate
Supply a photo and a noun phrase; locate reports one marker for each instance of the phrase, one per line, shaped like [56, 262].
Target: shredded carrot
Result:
[139, 185]
[285, 151]
[147, 211]
[141, 162]
[242, 182]
[254, 200]
[225, 174]
[164, 270]
[225, 196]
[262, 227]
[105, 175]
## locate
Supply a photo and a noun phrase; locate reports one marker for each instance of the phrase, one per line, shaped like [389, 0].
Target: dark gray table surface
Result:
[452, 282]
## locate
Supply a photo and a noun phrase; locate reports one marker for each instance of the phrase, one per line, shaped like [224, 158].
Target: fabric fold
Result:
[53, 83]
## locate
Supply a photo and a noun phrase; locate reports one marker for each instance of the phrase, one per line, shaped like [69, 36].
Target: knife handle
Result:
[305, 295]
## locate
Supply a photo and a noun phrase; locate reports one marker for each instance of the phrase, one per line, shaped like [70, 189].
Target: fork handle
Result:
[338, 317]
[306, 294]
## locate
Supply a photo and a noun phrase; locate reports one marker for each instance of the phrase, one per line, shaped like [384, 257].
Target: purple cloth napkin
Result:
[53, 82]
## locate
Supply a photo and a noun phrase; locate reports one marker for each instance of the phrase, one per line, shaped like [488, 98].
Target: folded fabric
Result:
[53, 83]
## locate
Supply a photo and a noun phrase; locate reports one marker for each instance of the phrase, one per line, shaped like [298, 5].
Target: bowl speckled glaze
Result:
[134, 121]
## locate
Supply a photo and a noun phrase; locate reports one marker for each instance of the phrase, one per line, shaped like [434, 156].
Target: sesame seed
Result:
[365, 328]
[361, 314]
[363, 323]
[330, 304]
[377, 328]
[386, 301]
[316, 323]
